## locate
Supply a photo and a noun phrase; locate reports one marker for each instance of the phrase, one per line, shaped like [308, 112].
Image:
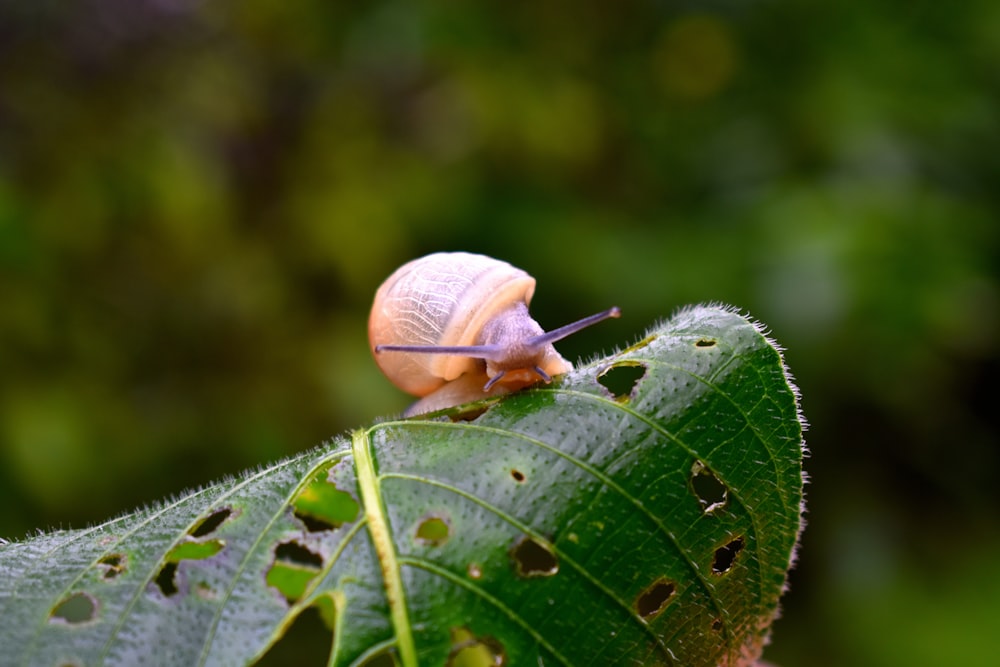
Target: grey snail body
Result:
[454, 327]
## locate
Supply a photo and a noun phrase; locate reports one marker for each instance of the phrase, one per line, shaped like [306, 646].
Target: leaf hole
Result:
[293, 552]
[166, 579]
[191, 549]
[717, 625]
[314, 524]
[533, 559]
[517, 475]
[654, 599]
[706, 487]
[114, 565]
[622, 379]
[433, 531]
[470, 414]
[474, 570]
[706, 342]
[725, 556]
[321, 506]
[307, 641]
[211, 523]
[293, 570]
[75, 609]
[467, 650]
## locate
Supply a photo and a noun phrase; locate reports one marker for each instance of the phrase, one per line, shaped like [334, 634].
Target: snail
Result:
[452, 327]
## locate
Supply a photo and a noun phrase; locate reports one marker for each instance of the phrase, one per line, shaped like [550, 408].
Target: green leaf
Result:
[642, 510]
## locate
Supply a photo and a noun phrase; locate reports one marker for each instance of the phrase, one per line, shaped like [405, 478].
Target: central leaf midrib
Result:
[378, 528]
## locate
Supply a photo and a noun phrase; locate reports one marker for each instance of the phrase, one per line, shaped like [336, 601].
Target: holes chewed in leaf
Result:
[211, 523]
[469, 415]
[706, 342]
[717, 625]
[306, 641]
[433, 531]
[193, 550]
[654, 599]
[293, 552]
[322, 506]
[475, 570]
[726, 555]
[165, 579]
[533, 559]
[467, 650]
[76, 609]
[293, 570]
[113, 564]
[312, 524]
[517, 475]
[621, 379]
[710, 492]
[187, 549]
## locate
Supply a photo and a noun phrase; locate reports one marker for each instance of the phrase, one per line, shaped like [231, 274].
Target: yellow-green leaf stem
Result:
[378, 528]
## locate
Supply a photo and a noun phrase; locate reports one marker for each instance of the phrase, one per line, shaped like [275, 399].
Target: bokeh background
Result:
[198, 200]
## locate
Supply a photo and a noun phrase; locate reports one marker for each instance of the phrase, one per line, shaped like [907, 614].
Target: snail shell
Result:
[461, 319]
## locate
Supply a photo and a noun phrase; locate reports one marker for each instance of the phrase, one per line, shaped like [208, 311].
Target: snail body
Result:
[455, 327]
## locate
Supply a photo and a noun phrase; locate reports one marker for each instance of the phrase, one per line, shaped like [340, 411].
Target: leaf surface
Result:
[641, 510]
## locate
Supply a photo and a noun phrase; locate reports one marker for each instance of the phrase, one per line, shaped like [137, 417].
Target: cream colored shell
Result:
[440, 299]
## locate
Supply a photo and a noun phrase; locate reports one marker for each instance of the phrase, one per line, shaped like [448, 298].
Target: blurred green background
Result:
[198, 200]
